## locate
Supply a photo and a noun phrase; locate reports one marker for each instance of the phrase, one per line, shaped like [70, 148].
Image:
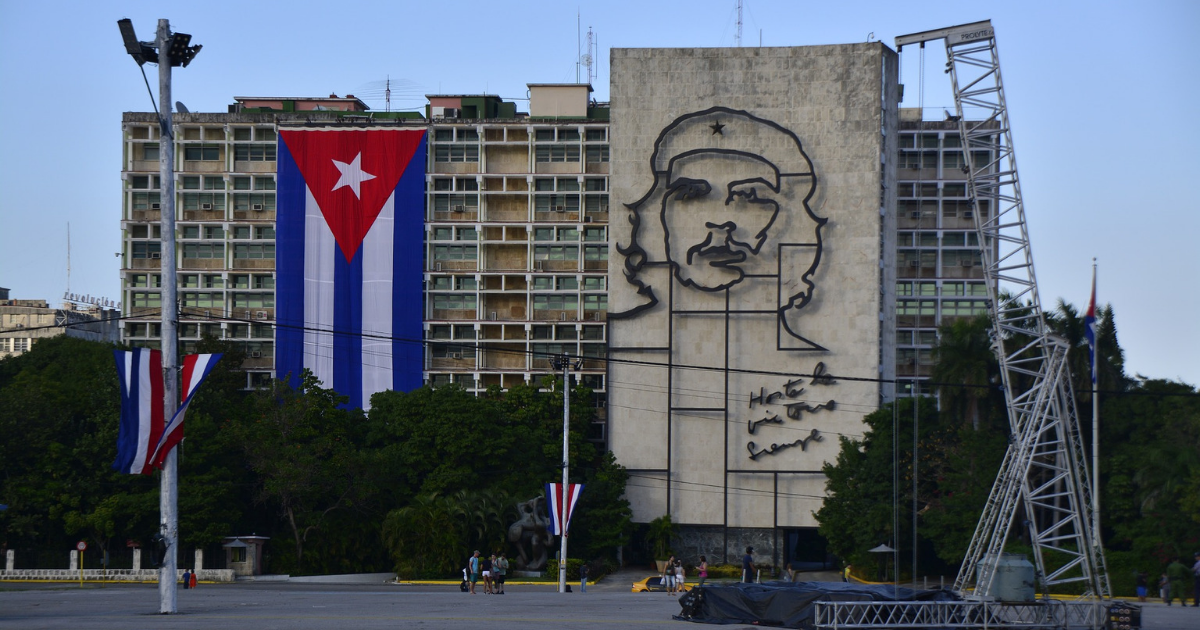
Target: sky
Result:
[1102, 96]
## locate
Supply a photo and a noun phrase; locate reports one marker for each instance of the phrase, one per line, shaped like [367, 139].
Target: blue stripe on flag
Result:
[347, 322]
[289, 267]
[408, 355]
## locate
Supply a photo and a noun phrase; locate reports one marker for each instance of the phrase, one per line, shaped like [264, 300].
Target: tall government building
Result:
[759, 239]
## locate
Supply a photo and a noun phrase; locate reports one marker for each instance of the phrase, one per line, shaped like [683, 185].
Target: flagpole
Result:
[1095, 426]
[168, 502]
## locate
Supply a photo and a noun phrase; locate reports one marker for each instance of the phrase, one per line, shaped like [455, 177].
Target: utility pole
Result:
[167, 50]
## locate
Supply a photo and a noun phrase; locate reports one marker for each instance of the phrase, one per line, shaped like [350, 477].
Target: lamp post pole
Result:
[562, 561]
[168, 501]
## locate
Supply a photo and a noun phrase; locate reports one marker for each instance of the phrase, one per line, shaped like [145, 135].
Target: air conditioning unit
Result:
[206, 206]
[451, 112]
[914, 263]
[260, 315]
[915, 214]
[155, 254]
[256, 354]
[492, 316]
[459, 208]
[587, 219]
[562, 316]
[966, 263]
[456, 355]
[967, 214]
[156, 206]
[560, 208]
[258, 207]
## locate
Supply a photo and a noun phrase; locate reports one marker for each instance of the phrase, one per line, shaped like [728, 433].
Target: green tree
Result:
[965, 366]
[303, 452]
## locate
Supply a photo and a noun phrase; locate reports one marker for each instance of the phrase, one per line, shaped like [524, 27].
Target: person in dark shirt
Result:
[748, 565]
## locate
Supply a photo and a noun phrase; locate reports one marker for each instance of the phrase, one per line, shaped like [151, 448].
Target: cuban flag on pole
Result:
[1089, 328]
[349, 265]
[141, 378]
[561, 504]
[196, 368]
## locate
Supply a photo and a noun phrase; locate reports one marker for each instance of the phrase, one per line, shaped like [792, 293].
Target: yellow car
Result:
[655, 585]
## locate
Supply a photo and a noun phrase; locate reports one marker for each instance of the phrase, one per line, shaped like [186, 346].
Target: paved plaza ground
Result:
[303, 606]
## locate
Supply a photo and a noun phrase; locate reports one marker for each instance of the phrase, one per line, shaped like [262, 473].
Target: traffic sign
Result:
[81, 545]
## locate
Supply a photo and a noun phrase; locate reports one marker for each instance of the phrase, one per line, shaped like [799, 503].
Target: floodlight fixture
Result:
[140, 51]
[178, 50]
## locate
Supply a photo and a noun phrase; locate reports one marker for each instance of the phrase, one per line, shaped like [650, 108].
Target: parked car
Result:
[655, 584]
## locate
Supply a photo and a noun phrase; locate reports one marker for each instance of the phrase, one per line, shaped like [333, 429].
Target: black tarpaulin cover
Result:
[787, 604]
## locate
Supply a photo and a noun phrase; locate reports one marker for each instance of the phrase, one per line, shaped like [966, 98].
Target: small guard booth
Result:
[244, 554]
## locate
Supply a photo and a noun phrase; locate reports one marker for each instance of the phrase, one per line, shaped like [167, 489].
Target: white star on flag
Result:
[352, 174]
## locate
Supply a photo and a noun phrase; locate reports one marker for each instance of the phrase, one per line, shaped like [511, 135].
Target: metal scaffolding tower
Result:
[1044, 473]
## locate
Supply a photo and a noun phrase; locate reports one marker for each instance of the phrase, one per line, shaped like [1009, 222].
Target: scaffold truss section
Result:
[1043, 471]
[967, 615]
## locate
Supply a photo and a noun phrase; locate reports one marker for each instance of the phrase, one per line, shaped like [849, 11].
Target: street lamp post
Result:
[564, 363]
[167, 50]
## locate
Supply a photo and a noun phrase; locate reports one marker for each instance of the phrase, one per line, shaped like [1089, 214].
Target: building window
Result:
[189, 299]
[264, 232]
[597, 135]
[214, 232]
[143, 201]
[203, 201]
[556, 252]
[595, 252]
[264, 282]
[567, 283]
[454, 301]
[253, 201]
[455, 252]
[456, 153]
[150, 152]
[254, 152]
[595, 302]
[253, 300]
[264, 183]
[555, 302]
[463, 283]
[145, 249]
[203, 250]
[254, 250]
[455, 203]
[557, 153]
[543, 283]
[597, 154]
[145, 299]
[593, 283]
[202, 153]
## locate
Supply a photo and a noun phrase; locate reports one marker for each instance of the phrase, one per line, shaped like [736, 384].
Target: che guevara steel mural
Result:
[726, 241]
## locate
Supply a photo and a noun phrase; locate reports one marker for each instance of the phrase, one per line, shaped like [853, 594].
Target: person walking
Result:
[679, 577]
[748, 566]
[702, 571]
[1164, 587]
[486, 566]
[474, 566]
[1177, 574]
[187, 579]
[500, 568]
[583, 574]
[846, 573]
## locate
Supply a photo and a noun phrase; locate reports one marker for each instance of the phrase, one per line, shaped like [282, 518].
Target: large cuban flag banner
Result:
[349, 238]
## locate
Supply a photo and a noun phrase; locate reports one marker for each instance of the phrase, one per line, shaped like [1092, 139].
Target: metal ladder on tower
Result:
[1044, 470]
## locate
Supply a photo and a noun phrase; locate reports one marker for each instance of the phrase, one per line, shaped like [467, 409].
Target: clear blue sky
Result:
[1102, 96]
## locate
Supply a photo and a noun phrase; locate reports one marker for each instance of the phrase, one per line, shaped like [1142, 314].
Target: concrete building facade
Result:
[753, 259]
[25, 322]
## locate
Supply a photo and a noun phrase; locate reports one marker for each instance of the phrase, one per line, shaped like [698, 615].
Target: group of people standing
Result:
[1173, 583]
[674, 576]
[493, 569]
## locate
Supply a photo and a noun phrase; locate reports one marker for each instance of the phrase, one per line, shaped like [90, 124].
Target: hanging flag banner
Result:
[1089, 328]
[196, 368]
[561, 504]
[141, 380]
[349, 264]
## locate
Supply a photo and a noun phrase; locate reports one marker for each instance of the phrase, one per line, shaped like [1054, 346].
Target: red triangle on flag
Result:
[351, 174]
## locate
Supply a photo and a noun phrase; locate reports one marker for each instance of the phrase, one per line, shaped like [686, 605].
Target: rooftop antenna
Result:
[738, 37]
[387, 95]
[578, 38]
[589, 58]
[68, 256]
